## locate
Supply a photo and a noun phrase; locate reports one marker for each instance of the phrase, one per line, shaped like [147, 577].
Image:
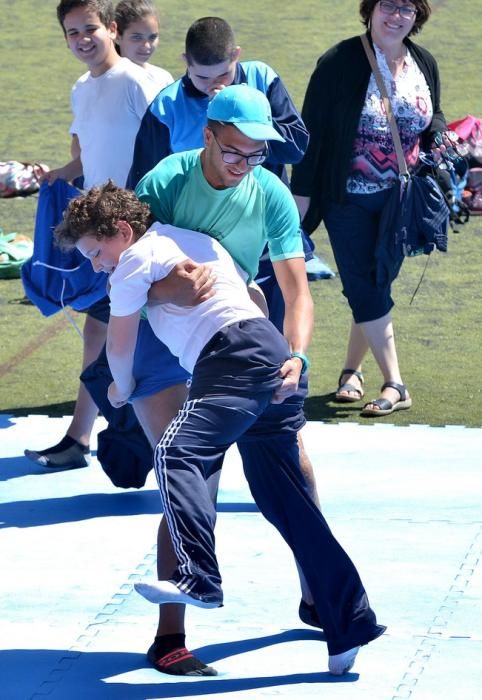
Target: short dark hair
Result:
[215, 125]
[103, 8]
[210, 40]
[97, 213]
[129, 11]
[423, 12]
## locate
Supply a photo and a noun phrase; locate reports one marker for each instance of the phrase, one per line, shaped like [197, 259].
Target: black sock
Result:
[168, 654]
[63, 445]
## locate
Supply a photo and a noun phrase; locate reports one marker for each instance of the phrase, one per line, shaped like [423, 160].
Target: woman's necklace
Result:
[396, 64]
[398, 61]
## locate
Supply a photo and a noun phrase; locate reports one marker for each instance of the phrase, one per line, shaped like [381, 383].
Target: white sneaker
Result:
[338, 664]
[162, 592]
[318, 269]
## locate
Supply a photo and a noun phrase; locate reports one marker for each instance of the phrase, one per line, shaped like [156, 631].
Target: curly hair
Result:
[97, 214]
[422, 6]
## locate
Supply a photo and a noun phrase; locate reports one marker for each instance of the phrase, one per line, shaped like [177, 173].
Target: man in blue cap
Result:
[220, 190]
[176, 117]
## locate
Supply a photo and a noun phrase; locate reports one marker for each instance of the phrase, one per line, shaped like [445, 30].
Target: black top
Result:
[331, 111]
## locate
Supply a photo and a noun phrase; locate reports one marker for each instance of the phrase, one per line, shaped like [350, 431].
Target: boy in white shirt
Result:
[108, 103]
[235, 355]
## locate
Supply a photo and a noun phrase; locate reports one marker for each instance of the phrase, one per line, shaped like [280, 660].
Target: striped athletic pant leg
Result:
[232, 384]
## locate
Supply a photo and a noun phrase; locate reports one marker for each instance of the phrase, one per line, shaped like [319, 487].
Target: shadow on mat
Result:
[52, 410]
[68, 509]
[214, 652]
[95, 675]
[6, 421]
[16, 467]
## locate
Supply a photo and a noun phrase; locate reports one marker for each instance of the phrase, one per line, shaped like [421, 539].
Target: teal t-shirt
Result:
[259, 209]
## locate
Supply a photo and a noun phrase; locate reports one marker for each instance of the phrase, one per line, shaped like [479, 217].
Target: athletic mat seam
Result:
[416, 666]
[94, 628]
[436, 633]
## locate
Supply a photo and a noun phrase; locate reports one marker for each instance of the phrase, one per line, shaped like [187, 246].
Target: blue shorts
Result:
[272, 292]
[155, 367]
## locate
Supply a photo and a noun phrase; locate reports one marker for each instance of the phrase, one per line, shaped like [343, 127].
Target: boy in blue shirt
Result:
[176, 117]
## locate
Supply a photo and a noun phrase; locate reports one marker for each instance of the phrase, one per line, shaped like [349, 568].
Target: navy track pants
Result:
[229, 401]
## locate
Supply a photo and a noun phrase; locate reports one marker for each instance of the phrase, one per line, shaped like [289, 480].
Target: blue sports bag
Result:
[53, 278]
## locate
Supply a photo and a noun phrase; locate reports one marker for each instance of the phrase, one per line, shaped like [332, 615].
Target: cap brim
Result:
[258, 132]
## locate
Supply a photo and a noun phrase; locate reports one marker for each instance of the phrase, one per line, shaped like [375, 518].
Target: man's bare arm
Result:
[68, 172]
[299, 319]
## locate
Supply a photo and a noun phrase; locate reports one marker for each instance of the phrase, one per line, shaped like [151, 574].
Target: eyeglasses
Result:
[389, 8]
[233, 157]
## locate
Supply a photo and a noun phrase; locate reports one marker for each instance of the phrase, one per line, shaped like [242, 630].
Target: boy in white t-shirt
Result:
[108, 103]
[135, 255]
[235, 355]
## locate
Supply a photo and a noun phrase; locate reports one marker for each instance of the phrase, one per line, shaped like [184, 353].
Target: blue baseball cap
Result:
[247, 109]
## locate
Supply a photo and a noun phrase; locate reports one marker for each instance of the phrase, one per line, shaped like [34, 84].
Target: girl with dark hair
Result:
[138, 36]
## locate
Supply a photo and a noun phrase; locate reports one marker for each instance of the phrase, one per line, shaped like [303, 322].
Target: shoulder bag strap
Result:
[402, 164]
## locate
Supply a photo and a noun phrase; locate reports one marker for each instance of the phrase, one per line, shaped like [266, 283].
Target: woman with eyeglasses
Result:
[350, 167]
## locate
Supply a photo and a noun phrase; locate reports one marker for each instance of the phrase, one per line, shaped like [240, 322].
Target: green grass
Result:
[438, 336]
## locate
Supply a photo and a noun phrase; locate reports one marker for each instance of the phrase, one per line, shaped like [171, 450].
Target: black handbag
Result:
[415, 218]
